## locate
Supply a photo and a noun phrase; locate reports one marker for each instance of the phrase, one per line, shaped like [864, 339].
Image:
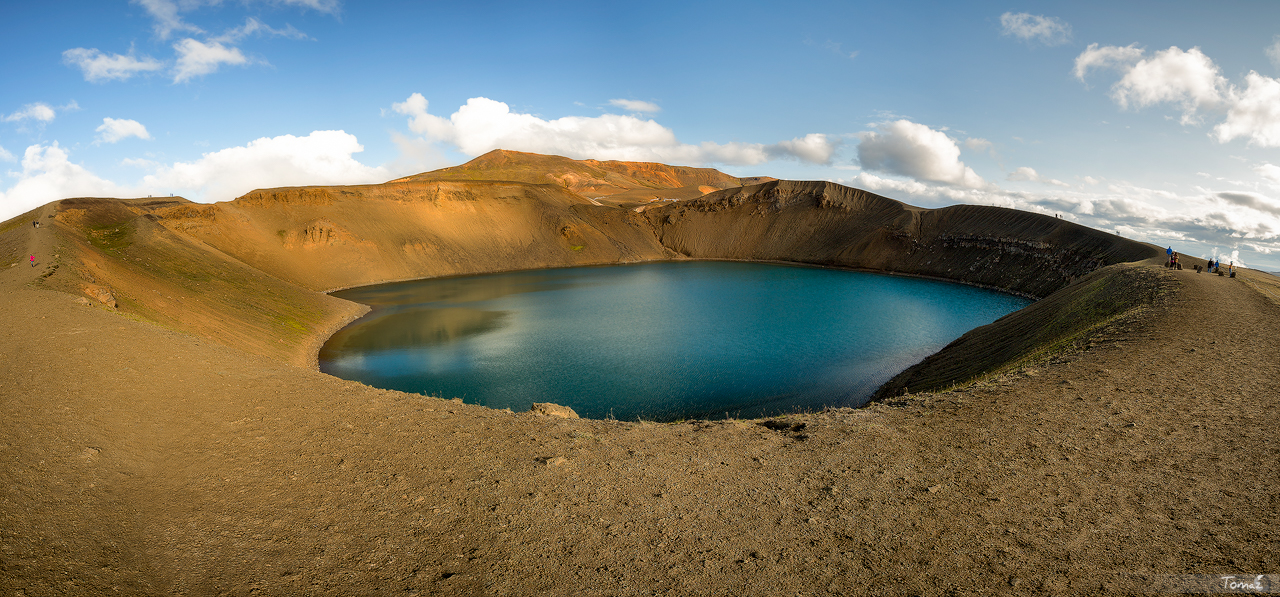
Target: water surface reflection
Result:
[658, 341]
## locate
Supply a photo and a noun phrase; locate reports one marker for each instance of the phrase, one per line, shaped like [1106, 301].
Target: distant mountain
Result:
[607, 182]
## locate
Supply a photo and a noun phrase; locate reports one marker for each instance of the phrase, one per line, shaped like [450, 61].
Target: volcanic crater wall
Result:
[827, 224]
[251, 273]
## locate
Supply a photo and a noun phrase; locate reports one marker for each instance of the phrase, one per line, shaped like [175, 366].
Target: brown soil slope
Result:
[397, 231]
[611, 181]
[176, 262]
[120, 253]
[142, 461]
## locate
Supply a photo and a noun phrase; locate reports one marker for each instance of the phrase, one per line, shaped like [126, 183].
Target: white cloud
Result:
[5, 156]
[977, 144]
[1273, 52]
[1270, 172]
[1113, 57]
[113, 130]
[1193, 81]
[1232, 259]
[1254, 113]
[167, 19]
[196, 58]
[1091, 180]
[1188, 78]
[321, 158]
[815, 148]
[910, 149]
[98, 66]
[39, 111]
[327, 6]
[252, 26]
[48, 175]
[1047, 30]
[416, 155]
[483, 125]
[1029, 174]
[871, 182]
[635, 105]
[141, 163]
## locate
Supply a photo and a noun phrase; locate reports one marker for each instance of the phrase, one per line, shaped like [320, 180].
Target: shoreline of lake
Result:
[835, 337]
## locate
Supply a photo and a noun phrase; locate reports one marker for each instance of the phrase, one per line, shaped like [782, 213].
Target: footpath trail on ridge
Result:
[140, 460]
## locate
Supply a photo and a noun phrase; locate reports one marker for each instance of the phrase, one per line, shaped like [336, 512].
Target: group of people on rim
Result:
[1214, 266]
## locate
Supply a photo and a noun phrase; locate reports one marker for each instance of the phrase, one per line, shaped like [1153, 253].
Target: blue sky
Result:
[1156, 120]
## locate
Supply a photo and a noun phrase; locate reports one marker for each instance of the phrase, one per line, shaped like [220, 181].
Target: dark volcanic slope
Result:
[829, 224]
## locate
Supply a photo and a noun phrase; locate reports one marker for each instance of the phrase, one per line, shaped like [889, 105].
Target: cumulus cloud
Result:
[923, 193]
[1270, 172]
[483, 125]
[38, 111]
[321, 158]
[1254, 113]
[48, 175]
[99, 66]
[113, 130]
[977, 144]
[1232, 258]
[1191, 80]
[635, 105]
[5, 156]
[1049, 31]
[814, 148]
[197, 58]
[911, 149]
[1029, 174]
[1188, 78]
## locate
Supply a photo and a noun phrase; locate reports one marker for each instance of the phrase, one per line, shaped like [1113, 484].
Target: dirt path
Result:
[138, 460]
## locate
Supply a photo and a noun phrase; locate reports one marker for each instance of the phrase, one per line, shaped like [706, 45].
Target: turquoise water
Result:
[656, 341]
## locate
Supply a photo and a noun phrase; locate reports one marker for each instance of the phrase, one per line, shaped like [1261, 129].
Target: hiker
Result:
[33, 261]
[1169, 253]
